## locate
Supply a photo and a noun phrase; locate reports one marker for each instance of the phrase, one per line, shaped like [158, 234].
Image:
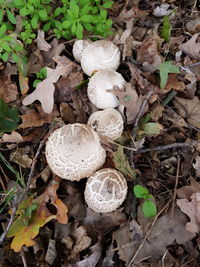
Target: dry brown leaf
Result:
[8, 89]
[191, 47]
[148, 53]
[196, 165]
[44, 91]
[174, 84]
[21, 158]
[164, 232]
[193, 25]
[36, 119]
[189, 109]
[130, 100]
[41, 43]
[51, 252]
[14, 137]
[192, 210]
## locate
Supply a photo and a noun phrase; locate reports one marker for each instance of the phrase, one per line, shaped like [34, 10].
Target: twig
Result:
[169, 97]
[23, 256]
[173, 145]
[147, 235]
[175, 187]
[14, 210]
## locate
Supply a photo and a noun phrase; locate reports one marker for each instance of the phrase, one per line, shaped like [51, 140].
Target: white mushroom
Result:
[74, 151]
[78, 47]
[108, 123]
[98, 85]
[100, 55]
[105, 190]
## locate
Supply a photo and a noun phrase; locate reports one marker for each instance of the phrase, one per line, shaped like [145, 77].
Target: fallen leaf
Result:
[67, 113]
[122, 164]
[193, 25]
[21, 158]
[164, 232]
[162, 10]
[191, 47]
[189, 110]
[44, 91]
[165, 68]
[24, 233]
[41, 43]
[33, 118]
[8, 89]
[196, 165]
[148, 53]
[174, 84]
[93, 259]
[14, 137]
[192, 210]
[130, 100]
[51, 252]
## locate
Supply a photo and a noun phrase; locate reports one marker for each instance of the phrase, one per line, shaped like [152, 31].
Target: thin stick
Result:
[14, 210]
[23, 256]
[175, 187]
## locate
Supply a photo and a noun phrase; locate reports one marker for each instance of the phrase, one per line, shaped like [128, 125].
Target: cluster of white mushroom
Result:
[74, 151]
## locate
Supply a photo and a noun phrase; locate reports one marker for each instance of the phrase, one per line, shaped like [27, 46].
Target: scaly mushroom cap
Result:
[74, 151]
[100, 55]
[98, 85]
[78, 47]
[105, 190]
[108, 123]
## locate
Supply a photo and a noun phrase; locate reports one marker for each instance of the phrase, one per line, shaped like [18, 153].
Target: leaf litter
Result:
[160, 108]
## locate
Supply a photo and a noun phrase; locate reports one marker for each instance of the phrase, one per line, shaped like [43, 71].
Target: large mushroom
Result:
[108, 123]
[98, 85]
[100, 55]
[78, 47]
[74, 151]
[105, 190]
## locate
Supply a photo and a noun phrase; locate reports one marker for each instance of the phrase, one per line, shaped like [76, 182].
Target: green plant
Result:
[148, 207]
[41, 75]
[166, 29]
[165, 68]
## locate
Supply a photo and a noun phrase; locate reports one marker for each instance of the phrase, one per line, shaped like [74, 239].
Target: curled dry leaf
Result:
[189, 109]
[44, 91]
[8, 89]
[148, 53]
[14, 137]
[33, 214]
[35, 119]
[191, 47]
[174, 84]
[41, 43]
[192, 210]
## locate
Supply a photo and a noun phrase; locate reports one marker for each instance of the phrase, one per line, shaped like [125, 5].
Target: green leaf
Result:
[15, 57]
[87, 18]
[9, 117]
[24, 12]
[47, 26]
[165, 68]
[107, 5]
[140, 191]
[1, 15]
[19, 3]
[18, 48]
[74, 7]
[73, 29]
[122, 164]
[43, 14]
[67, 24]
[79, 31]
[86, 9]
[152, 128]
[57, 11]
[5, 56]
[6, 47]
[34, 22]
[28, 213]
[10, 16]
[149, 209]
[2, 30]
[88, 26]
[166, 29]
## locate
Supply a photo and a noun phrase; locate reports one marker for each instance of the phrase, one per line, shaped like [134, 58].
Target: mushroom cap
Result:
[100, 55]
[74, 151]
[98, 85]
[105, 190]
[108, 123]
[78, 47]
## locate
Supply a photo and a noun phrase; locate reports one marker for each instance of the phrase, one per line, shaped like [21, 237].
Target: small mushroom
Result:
[108, 123]
[74, 151]
[100, 55]
[78, 47]
[98, 85]
[105, 190]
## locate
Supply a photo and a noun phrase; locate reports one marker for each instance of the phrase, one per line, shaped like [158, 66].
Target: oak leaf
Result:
[191, 47]
[33, 214]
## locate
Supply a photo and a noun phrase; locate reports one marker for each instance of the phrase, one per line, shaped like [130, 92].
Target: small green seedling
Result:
[149, 208]
[165, 68]
[166, 29]
[41, 75]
